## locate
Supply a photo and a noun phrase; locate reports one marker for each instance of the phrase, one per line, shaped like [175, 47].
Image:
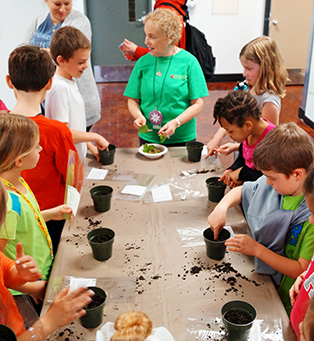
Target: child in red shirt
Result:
[303, 288]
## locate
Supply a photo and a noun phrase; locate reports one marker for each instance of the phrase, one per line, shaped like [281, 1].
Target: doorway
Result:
[114, 20]
[288, 22]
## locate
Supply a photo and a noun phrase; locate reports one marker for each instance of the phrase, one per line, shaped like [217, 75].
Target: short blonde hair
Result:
[169, 23]
[284, 149]
[18, 136]
[132, 326]
[273, 75]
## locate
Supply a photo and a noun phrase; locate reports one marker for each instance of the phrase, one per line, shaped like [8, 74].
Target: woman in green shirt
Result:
[166, 86]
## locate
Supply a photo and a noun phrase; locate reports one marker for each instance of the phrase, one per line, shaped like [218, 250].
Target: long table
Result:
[153, 269]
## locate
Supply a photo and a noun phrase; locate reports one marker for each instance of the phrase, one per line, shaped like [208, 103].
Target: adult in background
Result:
[40, 33]
[134, 52]
[166, 86]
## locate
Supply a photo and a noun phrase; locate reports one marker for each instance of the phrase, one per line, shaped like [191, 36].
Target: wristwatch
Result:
[178, 122]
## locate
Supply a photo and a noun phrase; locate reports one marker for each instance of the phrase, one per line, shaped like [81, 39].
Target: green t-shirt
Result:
[181, 81]
[299, 243]
[21, 226]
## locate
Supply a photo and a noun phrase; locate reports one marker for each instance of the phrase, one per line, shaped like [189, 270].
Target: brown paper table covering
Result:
[153, 272]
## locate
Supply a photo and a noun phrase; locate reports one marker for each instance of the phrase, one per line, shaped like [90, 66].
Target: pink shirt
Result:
[248, 150]
[2, 106]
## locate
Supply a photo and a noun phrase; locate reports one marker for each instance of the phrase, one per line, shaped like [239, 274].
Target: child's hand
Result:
[217, 220]
[57, 213]
[234, 178]
[38, 290]
[295, 289]
[227, 148]
[212, 149]
[101, 142]
[225, 176]
[129, 47]
[65, 308]
[140, 121]
[94, 150]
[26, 265]
[242, 243]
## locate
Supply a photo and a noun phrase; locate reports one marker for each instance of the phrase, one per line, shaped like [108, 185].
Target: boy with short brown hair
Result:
[70, 49]
[275, 208]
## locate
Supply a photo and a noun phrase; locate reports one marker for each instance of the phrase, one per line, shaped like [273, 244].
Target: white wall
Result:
[226, 33]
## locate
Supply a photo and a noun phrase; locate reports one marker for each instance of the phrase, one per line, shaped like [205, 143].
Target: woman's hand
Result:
[140, 121]
[26, 265]
[168, 129]
[295, 289]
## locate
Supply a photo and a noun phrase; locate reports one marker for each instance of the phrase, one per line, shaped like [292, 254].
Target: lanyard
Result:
[38, 217]
[163, 82]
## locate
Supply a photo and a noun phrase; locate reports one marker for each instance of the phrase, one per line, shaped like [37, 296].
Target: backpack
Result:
[196, 43]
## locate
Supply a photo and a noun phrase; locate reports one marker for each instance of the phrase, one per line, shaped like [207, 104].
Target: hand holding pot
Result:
[65, 308]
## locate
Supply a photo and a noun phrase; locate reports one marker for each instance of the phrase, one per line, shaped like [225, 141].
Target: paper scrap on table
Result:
[76, 283]
[161, 193]
[97, 174]
[73, 198]
[134, 190]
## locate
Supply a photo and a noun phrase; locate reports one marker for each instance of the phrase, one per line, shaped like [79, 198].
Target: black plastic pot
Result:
[216, 189]
[101, 242]
[101, 196]
[194, 149]
[215, 249]
[94, 311]
[238, 331]
[107, 156]
[7, 333]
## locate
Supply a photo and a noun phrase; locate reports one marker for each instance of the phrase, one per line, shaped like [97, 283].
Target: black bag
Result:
[197, 45]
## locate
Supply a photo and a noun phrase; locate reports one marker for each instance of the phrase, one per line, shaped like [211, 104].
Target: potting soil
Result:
[96, 301]
[238, 316]
[101, 238]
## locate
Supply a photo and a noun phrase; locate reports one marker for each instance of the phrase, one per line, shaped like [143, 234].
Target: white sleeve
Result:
[57, 106]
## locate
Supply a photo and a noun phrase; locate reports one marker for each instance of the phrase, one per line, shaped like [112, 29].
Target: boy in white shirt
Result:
[70, 49]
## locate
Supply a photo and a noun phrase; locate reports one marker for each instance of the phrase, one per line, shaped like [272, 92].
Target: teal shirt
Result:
[299, 243]
[181, 81]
